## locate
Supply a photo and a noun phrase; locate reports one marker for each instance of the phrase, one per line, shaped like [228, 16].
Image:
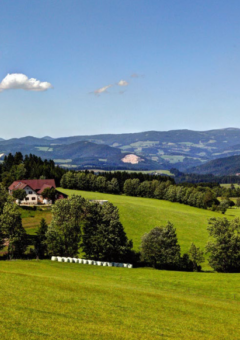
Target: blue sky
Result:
[169, 64]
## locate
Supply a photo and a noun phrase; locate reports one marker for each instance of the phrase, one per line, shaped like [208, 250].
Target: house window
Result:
[30, 192]
[33, 198]
[27, 198]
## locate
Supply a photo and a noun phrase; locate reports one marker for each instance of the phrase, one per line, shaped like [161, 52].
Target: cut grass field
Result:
[140, 215]
[31, 219]
[50, 300]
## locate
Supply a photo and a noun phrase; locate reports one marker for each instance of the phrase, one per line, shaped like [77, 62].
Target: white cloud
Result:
[17, 81]
[102, 89]
[123, 83]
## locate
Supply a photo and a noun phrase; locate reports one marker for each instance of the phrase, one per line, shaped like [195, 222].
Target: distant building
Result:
[34, 189]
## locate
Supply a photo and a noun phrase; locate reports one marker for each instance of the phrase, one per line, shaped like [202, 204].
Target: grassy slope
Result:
[49, 300]
[140, 215]
[31, 219]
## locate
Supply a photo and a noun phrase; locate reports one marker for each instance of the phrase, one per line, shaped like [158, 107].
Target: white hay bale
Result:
[60, 259]
[80, 261]
[110, 264]
[65, 259]
[99, 263]
[90, 261]
[70, 260]
[125, 265]
[85, 261]
[54, 258]
[75, 260]
[130, 266]
[95, 263]
[105, 264]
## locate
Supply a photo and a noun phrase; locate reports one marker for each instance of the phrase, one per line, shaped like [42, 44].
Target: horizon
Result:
[121, 133]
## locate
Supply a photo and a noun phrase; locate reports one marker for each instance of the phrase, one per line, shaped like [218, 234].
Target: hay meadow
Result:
[51, 300]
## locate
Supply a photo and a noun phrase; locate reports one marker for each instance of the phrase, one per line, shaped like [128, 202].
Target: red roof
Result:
[44, 187]
[35, 184]
[17, 185]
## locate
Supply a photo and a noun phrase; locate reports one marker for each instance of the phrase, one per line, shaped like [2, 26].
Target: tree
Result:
[196, 256]
[64, 234]
[103, 235]
[49, 193]
[4, 197]
[160, 247]
[13, 231]
[19, 194]
[224, 245]
[40, 241]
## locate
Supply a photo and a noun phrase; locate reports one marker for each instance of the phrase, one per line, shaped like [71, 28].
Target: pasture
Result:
[139, 215]
[50, 300]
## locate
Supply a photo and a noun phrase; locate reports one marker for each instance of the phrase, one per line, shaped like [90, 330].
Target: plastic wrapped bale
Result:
[85, 262]
[116, 264]
[125, 265]
[110, 264]
[75, 260]
[60, 259]
[95, 263]
[130, 266]
[105, 264]
[80, 261]
[54, 258]
[70, 260]
[90, 261]
[65, 259]
[120, 265]
[99, 263]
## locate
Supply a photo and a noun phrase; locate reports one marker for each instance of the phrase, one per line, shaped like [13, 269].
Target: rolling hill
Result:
[219, 167]
[181, 149]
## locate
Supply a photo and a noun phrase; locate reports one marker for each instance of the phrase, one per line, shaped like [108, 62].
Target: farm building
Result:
[34, 188]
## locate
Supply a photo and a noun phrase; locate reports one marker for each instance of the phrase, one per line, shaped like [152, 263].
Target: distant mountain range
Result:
[219, 167]
[181, 149]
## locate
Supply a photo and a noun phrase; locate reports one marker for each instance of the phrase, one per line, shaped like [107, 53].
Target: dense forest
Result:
[181, 177]
[17, 167]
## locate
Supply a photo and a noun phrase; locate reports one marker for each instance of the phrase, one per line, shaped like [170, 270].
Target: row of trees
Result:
[196, 196]
[95, 230]
[17, 167]
[160, 248]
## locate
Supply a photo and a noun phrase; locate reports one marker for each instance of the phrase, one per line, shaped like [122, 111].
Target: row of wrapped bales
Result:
[91, 262]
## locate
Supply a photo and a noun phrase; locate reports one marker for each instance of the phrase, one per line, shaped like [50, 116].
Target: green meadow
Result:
[51, 300]
[139, 215]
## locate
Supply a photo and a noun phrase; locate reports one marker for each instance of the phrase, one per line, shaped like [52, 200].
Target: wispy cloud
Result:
[102, 89]
[122, 83]
[105, 88]
[18, 81]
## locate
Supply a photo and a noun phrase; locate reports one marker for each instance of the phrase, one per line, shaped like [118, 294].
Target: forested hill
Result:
[181, 149]
[219, 167]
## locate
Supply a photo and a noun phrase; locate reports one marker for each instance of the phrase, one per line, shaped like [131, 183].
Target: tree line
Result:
[163, 188]
[80, 227]
[17, 167]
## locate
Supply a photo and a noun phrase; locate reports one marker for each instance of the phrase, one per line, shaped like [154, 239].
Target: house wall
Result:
[32, 197]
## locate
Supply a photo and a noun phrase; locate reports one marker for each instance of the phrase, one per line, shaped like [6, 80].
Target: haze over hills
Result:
[181, 149]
